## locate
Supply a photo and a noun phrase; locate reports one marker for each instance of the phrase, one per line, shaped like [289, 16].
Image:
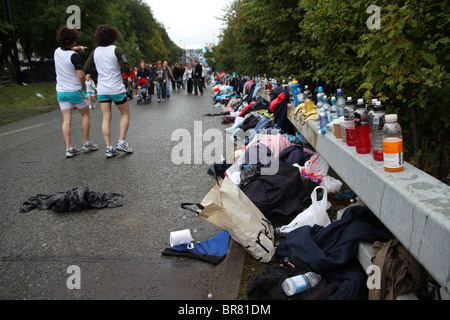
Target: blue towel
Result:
[213, 250]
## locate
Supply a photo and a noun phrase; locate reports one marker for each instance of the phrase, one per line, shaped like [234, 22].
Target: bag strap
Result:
[186, 205]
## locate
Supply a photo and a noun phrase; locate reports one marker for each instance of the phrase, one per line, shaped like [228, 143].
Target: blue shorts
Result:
[120, 98]
[69, 99]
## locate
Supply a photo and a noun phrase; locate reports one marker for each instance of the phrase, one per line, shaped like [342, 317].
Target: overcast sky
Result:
[190, 23]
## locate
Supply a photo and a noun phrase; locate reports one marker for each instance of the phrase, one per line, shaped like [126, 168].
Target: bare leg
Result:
[85, 123]
[67, 126]
[124, 120]
[106, 123]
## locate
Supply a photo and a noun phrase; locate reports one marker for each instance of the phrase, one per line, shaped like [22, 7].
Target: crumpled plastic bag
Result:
[75, 199]
[316, 169]
[316, 214]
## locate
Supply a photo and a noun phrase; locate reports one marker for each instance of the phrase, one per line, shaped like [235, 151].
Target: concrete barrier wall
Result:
[412, 204]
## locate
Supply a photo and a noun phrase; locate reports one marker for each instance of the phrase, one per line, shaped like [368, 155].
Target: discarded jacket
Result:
[75, 199]
[400, 271]
[278, 196]
[331, 251]
[213, 250]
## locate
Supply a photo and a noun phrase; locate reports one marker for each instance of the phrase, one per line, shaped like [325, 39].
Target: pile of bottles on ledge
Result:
[366, 127]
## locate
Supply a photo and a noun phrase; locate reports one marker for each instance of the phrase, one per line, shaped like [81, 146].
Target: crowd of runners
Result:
[116, 83]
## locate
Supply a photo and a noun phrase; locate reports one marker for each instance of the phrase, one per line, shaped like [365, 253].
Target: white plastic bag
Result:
[316, 167]
[316, 214]
[331, 184]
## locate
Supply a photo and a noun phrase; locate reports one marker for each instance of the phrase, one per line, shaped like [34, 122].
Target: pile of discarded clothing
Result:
[271, 197]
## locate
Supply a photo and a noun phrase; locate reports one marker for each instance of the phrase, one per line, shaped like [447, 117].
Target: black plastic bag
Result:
[75, 199]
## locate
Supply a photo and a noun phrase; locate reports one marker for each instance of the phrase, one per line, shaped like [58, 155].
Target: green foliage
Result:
[37, 22]
[405, 63]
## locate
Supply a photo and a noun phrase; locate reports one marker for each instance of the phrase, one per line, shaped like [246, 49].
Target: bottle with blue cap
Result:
[333, 109]
[320, 93]
[326, 106]
[340, 103]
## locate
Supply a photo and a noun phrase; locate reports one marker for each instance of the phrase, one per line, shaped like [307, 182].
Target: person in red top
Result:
[129, 81]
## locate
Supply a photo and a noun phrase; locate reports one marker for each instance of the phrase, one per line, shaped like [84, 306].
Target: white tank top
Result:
[66, 76]
[110, 79]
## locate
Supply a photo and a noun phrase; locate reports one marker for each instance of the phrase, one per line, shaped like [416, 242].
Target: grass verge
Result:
[20, 102]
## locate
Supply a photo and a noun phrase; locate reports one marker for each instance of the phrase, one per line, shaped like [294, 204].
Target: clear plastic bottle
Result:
[349, 117]
[323, 118]
[319, 102]
[307, 93]
[326, 106]
[361, 119]
[320, 93]
[343, 130]
[392, 144]
[340, 103]
[300, 283]
[333, 109]
[378, 122]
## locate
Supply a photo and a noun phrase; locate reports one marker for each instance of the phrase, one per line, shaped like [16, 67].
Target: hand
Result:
[81, 48]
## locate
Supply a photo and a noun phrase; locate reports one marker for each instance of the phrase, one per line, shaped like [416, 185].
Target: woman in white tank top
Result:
[110, 61]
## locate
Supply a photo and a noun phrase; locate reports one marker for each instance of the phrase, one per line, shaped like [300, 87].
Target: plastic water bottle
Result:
[378, 122]
[307, 93]
[333, 109]
[326, 106]
[343, 129]
[349, 118]
[275, 83]
[372, 106]
[296, 92]
[340, 103]
[323, 119]
[320, 93]
[300, 283]
[361, 119]
[392, 144]
[319, 102]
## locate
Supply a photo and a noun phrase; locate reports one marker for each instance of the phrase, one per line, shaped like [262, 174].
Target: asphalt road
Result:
[117, 251]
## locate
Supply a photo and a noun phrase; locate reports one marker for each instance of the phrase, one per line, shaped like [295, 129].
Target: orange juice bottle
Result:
[392, 144]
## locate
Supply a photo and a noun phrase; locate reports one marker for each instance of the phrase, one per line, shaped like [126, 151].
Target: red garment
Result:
[250, 106]
[274, 104]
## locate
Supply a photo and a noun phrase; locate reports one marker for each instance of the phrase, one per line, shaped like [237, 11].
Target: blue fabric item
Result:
[213, 250]
[331, 251]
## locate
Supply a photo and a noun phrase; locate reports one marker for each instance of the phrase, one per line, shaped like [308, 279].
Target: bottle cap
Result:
[391, 118]
[360, 101]
[320, 89]
[378, 106]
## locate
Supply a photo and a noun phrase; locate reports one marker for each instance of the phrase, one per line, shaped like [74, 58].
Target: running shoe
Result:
[90, 146]
[72, 152]
[124, 147]
[111, 152]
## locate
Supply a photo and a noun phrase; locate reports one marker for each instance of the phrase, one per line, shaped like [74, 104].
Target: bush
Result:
[328, 43]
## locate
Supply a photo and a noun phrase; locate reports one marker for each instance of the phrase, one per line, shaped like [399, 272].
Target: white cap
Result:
[360, 101]
[391, 118]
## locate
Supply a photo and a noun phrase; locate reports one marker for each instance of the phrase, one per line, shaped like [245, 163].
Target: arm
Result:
[122, 58]
[76, 61]
[89, 65]
[81, 77]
